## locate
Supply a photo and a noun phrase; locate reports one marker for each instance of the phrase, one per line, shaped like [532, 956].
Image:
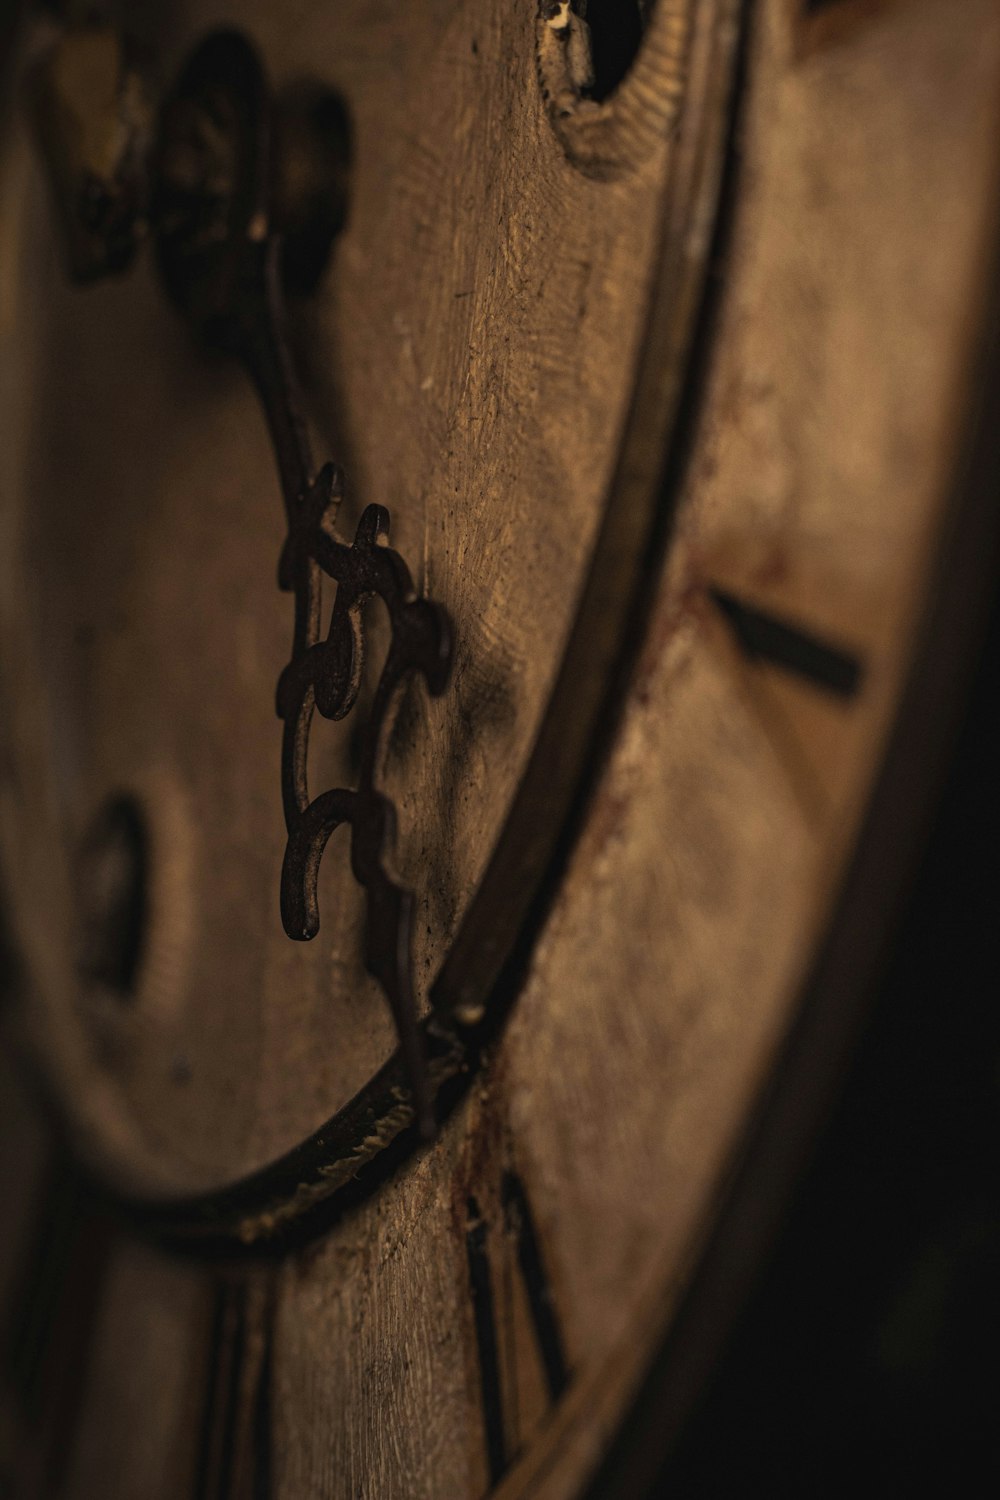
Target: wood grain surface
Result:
[471, 355]
[470, 360]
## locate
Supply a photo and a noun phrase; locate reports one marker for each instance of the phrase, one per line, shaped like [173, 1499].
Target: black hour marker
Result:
[487, 1341]
[519, 1222]
[765, 637]
[51, 1319]
[520, 1227]
[827, 15]
[234, 1454]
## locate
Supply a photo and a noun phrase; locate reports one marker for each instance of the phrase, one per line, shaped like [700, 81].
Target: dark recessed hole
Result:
[311, 165]
[616, 29]
[113, 897]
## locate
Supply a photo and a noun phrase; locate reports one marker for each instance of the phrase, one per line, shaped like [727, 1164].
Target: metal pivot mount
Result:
[211, 206]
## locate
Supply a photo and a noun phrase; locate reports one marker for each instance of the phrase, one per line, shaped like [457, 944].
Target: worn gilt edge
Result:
[333, 1175]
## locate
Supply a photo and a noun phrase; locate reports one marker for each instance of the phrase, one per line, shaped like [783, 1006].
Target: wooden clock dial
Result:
[662, 341]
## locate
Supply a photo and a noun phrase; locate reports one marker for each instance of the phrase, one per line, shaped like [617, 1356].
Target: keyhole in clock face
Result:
[312, 161]
[113, 897]
[616, 31]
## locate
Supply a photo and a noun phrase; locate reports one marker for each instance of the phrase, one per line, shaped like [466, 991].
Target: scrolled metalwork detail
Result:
[220, 256]
[324, 675]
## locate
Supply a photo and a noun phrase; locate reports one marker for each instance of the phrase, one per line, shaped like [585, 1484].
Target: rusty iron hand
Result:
[220, 259]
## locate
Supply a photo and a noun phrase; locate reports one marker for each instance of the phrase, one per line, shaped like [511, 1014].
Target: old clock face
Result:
[646, 341]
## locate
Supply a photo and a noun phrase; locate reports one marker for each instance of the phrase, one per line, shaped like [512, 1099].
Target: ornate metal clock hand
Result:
[208, 204]
[220, 258]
